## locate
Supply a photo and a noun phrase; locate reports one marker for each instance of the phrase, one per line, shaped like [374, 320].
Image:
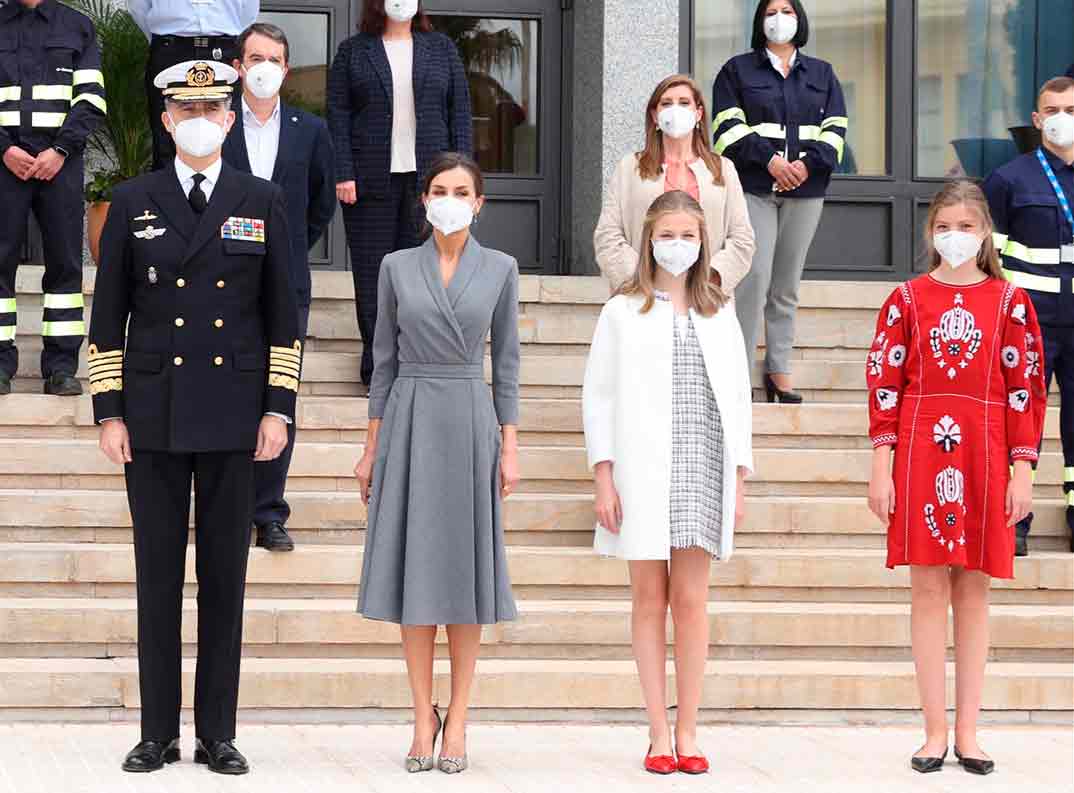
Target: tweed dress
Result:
[696, 503]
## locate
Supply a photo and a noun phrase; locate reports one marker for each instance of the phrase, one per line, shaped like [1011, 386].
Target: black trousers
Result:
[376, 227]
[59, 208]
[270, 478]
[158, 489]
[165, 51]
[1059, 361]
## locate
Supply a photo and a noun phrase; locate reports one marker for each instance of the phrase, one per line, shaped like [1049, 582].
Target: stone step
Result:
[286, 623]
[535, 683]
[332, 512]
[101, 563]
[77, 457]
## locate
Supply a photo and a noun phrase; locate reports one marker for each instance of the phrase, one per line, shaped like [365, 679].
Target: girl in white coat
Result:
[666, 406]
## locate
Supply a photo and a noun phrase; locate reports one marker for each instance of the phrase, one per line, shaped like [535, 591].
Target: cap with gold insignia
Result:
[197, 81]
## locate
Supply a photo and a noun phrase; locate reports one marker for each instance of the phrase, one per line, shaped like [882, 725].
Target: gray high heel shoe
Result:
[452, 765]
[415, 765]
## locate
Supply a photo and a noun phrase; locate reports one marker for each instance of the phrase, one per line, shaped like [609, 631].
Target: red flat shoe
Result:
[693, 765]
[659, 763]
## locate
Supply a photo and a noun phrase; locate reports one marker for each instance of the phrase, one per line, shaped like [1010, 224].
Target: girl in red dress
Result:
[956, 390]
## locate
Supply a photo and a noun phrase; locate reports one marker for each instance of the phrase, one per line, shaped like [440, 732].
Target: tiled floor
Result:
[79, 758]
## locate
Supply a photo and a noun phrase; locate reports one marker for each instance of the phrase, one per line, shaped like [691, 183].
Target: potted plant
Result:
[121, 148]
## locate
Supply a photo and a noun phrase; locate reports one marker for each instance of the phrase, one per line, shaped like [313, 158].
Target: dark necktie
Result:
[198, 201]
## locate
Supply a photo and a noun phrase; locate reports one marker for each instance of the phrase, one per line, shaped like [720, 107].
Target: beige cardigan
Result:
[618, 236]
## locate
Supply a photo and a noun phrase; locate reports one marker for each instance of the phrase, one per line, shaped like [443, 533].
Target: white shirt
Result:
[186, 177]
[778, 61]
[404, 118]
[262, 140]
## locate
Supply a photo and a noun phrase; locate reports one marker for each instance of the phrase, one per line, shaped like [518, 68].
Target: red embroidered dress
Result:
[956, 385]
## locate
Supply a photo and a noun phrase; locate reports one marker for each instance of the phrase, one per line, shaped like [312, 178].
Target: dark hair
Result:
[760, 41]
[375, 19]
[269, 31]
[449, 161]
[1056, 85]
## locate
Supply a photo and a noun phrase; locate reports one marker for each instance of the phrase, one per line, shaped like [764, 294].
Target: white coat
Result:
[626, 409]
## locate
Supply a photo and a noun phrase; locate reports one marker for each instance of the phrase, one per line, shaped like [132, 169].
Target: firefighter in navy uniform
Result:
[194, 265]
[51, 100]
[1030, 199]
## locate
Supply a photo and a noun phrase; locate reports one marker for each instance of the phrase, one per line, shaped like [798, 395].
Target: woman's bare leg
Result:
[418, 642]
[689, 591]
[648, 635]
[969, 599]
[464, 643]
[930, 593]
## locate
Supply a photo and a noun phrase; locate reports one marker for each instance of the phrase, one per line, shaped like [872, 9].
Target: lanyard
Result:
[1063, 202]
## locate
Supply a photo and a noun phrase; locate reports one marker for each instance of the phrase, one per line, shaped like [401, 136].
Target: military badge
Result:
[152, 275]
[244, 229]
[149, 233]
[147, 215]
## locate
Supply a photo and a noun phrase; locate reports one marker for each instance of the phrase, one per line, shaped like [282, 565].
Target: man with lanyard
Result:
[292, 148]
[194, 360]
[51, 101]
[1030, 199]
[186, 30]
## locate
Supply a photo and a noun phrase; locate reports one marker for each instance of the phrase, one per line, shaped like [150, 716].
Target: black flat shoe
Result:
[975, 765]
[784, 397]
[221, 757]
[63, 385]
[928, 765]
[151, 756]
[274, 537]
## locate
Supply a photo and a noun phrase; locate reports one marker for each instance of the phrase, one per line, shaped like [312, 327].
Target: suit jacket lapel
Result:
[235, 144]
[168, 195]
[225, 199]
[288, 137]
[430, 268]
[379, 56]
[421, 64]
[469, 263]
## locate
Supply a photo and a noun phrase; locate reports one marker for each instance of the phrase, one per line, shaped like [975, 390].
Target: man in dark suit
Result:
[194, 361]
[292, 148]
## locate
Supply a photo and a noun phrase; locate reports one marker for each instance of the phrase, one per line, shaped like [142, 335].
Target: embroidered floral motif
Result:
[876, 363]
[1032, 363]
[956, 339]
[894, 315]
[1018, 313]
[947, 433]
[950, 493]
[886, 399]
[1010, 356]
[897, 355]
[1018, 399]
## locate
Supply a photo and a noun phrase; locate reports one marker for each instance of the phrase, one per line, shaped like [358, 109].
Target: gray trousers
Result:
[784, 228]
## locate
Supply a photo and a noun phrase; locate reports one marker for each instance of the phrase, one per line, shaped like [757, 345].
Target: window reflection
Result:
[500, 57]
[849, 34]
[307, 82]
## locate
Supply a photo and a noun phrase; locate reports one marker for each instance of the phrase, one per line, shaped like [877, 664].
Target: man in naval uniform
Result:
[193, 360]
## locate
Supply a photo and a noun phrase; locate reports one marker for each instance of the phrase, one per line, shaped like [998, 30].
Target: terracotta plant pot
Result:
[96, 213]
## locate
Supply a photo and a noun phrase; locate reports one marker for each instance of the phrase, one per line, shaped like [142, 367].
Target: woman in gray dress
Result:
[441, 451]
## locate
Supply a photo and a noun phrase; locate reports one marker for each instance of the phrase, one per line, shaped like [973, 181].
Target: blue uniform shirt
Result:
[193, 17]
[1031, 230]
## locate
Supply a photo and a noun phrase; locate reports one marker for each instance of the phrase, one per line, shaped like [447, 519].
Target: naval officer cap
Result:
[197, 81]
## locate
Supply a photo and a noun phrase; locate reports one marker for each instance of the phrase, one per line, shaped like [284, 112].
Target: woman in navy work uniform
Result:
[781, 118]
[398, 96]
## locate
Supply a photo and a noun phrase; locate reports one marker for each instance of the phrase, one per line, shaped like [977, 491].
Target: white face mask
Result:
[677, 121]
[676, 256]
[264, 79]
[198, 137]
[957, 247]
[401, 10]
[448, 214]
[780, 28]
[1059, 130]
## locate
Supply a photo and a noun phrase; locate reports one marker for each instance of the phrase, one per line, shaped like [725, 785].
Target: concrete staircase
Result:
[806, 620]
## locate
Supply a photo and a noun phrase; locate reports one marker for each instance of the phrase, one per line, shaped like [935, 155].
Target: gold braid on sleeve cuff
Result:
[105, 370]
[285, 366]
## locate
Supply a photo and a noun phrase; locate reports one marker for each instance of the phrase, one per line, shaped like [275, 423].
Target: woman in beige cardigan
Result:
[676, 157]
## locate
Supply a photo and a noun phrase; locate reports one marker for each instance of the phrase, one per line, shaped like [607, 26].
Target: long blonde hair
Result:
[959, 193]
[703, 294]
[651, 159]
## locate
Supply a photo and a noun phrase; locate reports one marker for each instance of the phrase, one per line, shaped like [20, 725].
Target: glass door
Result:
[511, 50]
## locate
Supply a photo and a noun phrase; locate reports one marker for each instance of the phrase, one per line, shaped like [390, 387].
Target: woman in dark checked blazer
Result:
[397, 97]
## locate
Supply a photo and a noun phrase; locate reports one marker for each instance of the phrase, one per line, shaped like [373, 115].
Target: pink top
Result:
[679, 176]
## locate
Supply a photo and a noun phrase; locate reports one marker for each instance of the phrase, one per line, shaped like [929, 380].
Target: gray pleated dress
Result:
[434, 550]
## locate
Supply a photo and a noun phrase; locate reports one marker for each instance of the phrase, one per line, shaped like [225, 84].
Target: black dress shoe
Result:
[928, 765]
[5, 384]
[274, 537]
[151, 756]
[63, 385]
[1021, 545]
[975, 765]
[775, 394]
[221, 757]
